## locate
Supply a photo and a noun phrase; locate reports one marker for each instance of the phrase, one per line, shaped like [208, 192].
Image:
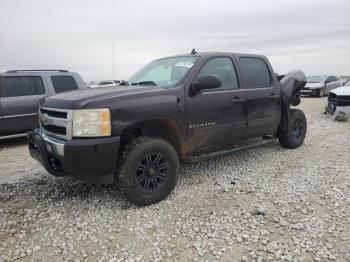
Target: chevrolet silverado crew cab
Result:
[185, 107]
[20, 92]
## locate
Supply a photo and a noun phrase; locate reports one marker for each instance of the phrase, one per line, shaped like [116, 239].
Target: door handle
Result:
[272, 95]
[237, 100]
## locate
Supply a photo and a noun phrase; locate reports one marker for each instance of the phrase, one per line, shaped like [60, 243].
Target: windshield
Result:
[165, 72]
[315, 79]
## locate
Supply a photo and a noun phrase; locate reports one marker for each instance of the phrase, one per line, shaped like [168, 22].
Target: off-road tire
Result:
[294, 135]
[134, 166]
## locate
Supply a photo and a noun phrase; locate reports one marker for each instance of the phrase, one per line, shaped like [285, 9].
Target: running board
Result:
[226, 152]
[13, 136]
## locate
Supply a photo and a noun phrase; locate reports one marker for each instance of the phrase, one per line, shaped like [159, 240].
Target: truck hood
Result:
[80, 98]
[342, 91]
[313, 85]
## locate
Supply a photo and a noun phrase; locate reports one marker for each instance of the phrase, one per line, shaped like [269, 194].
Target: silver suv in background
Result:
[321, 85]
[20, 92]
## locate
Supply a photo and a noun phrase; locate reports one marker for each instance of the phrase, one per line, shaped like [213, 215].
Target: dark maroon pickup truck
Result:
[179, 108]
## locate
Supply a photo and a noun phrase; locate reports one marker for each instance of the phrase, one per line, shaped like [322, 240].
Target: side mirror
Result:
[327, 81]
[206, 82]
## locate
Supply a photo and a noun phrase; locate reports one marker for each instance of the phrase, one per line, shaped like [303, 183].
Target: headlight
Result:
[91, 122]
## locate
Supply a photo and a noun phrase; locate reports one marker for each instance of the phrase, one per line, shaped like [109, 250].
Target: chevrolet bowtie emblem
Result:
[44, 119]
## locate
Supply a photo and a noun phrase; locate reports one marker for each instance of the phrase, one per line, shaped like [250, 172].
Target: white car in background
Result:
[105, 83]
[321, 85]
[339, 103]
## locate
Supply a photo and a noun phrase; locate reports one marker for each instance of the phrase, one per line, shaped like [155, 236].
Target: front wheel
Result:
[148, 170]
[293, 136]
[321, 93]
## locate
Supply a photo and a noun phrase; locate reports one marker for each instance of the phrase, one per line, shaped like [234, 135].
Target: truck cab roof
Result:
[216, 53]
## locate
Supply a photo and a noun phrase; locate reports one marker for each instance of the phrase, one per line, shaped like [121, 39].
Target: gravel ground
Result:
[264, 204]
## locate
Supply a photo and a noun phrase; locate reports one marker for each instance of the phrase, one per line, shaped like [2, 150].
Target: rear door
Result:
[217, 116]
[263, 98]
[2, 121]
[19, 102]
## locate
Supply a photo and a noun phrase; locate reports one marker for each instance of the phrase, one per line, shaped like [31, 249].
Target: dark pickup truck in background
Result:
[185, 107]
[20, 92]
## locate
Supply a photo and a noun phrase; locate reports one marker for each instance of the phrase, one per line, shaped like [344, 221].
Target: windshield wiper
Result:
[144, 83]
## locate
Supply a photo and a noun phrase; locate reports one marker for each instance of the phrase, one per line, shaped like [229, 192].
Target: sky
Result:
[311, 35]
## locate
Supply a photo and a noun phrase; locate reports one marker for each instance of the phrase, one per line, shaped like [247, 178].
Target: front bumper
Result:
[310, 92]
[93, 160]
[341, 113]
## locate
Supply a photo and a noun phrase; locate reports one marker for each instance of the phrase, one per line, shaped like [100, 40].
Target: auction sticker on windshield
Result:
[184, 64]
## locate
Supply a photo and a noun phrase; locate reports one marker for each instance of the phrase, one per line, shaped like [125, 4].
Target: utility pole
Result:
[113, 61]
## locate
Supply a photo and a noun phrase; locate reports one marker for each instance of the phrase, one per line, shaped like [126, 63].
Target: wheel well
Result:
[163, 128]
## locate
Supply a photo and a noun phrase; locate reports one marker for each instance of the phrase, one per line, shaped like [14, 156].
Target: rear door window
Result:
[13, 86]
[63, 83]
[255, 72]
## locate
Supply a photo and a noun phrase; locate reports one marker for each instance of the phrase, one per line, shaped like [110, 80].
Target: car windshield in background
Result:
[167, 72]
[315, 79]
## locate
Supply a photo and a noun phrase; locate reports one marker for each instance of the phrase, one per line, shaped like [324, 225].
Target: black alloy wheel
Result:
[148, 170]
[293, 136]
[298, 130]
[152, 171]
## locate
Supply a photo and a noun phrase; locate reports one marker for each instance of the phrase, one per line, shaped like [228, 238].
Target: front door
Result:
[217, 116]
[19, 102]
[331, 83]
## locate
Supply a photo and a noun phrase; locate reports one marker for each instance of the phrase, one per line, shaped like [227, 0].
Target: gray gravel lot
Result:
[264, 204]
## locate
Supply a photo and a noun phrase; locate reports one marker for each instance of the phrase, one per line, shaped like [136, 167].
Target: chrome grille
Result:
[343, 100]
[56, 122]
[339, 100]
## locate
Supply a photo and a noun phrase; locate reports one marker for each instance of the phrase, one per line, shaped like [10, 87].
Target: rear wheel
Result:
[148, 170]
[294, 135]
